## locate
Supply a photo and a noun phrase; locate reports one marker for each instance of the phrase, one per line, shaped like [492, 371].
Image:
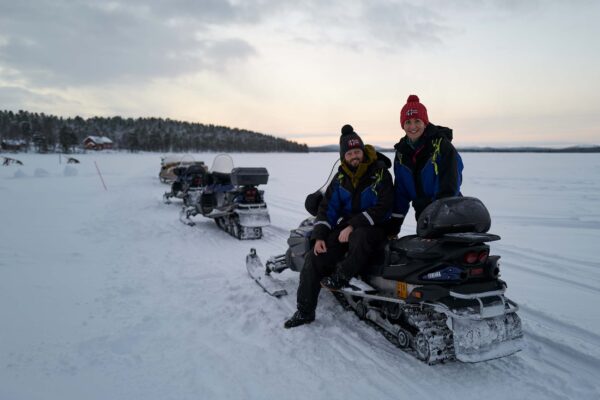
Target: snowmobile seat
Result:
[414, 246]
[221, 169]
[195, 176]
[221, 178]
[195, 169]
[379, 259]
[179, 171]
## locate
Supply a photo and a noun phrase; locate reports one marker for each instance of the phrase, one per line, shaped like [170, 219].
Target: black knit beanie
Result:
[350, 140]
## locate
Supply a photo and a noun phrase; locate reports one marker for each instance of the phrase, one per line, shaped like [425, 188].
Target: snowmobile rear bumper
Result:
[487, 339]
[253, 216]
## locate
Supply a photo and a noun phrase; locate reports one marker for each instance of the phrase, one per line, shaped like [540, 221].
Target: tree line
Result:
[48, 133]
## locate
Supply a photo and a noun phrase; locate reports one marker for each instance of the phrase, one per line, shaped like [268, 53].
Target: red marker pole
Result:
[100, 175]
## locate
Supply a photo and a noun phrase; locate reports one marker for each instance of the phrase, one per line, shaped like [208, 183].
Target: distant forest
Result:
[48, 133]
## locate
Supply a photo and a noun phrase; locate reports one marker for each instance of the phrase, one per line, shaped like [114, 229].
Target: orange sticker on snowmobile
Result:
[402, 290]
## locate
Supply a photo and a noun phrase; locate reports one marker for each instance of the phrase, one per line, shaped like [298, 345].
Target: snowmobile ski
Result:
[184, 216]
[259, 273]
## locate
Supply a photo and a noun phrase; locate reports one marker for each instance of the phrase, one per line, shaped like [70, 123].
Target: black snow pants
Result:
[363, 242]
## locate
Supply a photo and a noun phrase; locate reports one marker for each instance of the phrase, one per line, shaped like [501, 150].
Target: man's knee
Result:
[315, 264]
[367, 236]
[360, 236]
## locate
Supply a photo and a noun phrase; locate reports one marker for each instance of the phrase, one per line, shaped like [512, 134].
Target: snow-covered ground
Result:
[106, 295]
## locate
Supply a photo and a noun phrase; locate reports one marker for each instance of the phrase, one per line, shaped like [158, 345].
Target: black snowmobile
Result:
[232, 199]
[189, 181]
[436, 293]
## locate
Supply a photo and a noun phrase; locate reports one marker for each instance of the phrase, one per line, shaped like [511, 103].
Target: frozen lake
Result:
[106, 295]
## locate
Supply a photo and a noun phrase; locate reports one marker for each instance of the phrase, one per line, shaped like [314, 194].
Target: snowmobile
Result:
[8, 161]
[168, 165]
[188, 183]
[436, 294]
[232, 199]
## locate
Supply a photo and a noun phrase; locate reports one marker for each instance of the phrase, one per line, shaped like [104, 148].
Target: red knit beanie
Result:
[413, 109]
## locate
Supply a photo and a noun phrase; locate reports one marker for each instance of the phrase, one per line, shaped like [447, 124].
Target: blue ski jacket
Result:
[426, 171]
[358, 198]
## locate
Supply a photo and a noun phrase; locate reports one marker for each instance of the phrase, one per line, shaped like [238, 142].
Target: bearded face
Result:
[354, 157]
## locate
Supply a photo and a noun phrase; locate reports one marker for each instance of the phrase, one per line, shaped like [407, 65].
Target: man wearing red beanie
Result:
[427, 167]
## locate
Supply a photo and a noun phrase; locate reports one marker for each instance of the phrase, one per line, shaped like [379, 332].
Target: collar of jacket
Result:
[431, 132]
[370, 158]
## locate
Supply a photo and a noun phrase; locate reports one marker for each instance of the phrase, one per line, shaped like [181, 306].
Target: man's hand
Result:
[345, 234]
[320, 247]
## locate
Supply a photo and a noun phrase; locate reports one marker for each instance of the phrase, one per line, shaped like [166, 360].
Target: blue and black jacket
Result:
[425, 171]
[363, 197]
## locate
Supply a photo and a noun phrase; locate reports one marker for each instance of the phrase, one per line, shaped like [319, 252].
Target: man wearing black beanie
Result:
[349, 225]
[349, 140]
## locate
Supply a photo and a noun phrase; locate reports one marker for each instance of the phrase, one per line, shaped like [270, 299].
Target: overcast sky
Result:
[496, 71]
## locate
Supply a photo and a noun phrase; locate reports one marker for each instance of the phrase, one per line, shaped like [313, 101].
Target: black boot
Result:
[334, 282]
[299, 318]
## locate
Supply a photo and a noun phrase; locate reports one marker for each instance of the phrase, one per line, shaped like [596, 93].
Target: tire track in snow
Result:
[566, 351]
[550, 257]
[363, 343]
[555, 336]
[555, 274]
[285, 204]
[276, 232]
[344, 340]
[560, 223]
[276, 237]
[561, 326]
[355, 342]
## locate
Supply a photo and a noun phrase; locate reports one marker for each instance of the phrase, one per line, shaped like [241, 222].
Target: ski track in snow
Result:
[290, 207]
[559, 268]
[121, 300]
[557, 275]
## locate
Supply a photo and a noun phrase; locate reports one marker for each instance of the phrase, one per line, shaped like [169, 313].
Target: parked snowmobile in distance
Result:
[168, 165]
[232, 199]
[436, 294]
[188, 183]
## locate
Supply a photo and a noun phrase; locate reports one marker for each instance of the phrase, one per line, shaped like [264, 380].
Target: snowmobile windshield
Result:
[223, 164]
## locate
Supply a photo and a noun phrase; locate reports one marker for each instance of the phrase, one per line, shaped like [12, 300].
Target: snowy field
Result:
[106, 295]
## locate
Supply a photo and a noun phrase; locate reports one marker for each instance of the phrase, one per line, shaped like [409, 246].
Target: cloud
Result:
[83, 43]
[402, 25]
[359, 25]
[21, 98]
[54, 43]
[61, 43]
